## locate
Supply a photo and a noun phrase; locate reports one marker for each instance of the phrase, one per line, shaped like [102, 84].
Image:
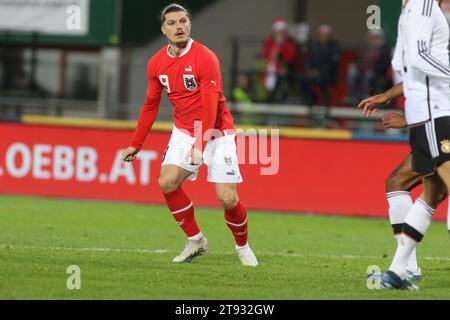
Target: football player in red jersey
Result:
[203, 132]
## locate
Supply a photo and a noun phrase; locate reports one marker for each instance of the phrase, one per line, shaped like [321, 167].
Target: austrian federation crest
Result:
[189, 82]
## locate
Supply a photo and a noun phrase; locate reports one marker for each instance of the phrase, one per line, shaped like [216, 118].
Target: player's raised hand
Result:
[372, 104]
[129, 154]
[194, 156]
[392, 120]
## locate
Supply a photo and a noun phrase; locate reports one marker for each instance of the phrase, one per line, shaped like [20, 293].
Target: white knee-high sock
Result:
[416, 225]
[399, 204]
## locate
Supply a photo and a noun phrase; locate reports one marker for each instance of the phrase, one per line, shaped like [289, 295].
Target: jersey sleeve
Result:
[397, 59]
[424, 16]
[149, 109]
[209, 73]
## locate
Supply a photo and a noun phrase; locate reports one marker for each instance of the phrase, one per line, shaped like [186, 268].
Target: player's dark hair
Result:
[173, 7]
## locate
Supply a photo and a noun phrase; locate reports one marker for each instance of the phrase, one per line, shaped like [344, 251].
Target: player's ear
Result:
[162, 30]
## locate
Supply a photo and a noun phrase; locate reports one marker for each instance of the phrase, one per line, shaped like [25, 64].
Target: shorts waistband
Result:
[183, 134]
[188, 137]
[224, 133]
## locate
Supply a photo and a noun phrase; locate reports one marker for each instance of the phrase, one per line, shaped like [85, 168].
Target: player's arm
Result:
[392, 120]
[147, 116]
[210, 101]
[373, 104]
[210, 79]
[421, 33]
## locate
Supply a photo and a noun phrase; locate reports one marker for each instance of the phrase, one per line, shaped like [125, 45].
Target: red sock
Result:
[236, 220]
[182, 210]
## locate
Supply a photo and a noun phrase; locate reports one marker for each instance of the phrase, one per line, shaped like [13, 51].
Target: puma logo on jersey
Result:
[213, 83]
[188, 69]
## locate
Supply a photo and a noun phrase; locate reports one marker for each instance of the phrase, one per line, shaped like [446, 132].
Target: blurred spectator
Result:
[83, 87]
[241, 92]
[12, 66]
[279, 53]
[321, 66]
[258, 89]
[321, 73]
[369, 74]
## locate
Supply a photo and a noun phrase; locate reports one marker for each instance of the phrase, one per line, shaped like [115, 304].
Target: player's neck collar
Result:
[186, 50]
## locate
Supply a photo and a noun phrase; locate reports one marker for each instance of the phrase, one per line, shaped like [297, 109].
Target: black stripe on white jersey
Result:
[427, 82]
[426, 52]
[431, 8]
[427, 8]
[423, 53]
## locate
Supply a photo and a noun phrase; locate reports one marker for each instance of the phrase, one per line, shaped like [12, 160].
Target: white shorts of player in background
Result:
[220, 157]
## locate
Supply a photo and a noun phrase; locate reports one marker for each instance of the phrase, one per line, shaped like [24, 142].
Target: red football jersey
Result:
[196, 70]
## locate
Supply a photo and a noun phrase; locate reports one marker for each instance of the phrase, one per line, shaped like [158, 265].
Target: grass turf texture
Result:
[125, 251]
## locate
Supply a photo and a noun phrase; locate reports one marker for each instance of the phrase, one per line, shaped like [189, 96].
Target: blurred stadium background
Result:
[69, 99]
[99, 71]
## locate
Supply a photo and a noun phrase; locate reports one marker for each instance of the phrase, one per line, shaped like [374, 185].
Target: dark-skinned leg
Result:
[398, 186]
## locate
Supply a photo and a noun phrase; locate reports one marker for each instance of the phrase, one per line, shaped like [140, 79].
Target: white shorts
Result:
[220, 157]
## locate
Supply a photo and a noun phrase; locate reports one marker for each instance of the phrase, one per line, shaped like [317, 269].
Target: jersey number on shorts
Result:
[164, 79]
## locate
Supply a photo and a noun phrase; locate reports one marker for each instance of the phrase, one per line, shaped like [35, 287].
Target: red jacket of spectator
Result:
[282, 53]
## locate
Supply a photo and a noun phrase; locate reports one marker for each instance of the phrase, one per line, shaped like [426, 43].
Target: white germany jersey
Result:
[422, 57]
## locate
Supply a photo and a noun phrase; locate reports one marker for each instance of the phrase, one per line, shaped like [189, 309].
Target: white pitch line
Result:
[156, 251]
[162, 251]
[345, 256]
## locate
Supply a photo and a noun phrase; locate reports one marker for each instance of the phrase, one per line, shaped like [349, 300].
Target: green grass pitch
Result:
[125, 251]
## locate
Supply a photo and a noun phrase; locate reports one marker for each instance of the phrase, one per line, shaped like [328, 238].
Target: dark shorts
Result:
[430, 145]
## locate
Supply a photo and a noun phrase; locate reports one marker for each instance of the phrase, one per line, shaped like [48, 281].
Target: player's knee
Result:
[392, 183]
[168, 183]
[434, 191]
[429, 199]
[389, 184]
[229, 200]
[433, 199]
[439, 197]
[396, 182]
